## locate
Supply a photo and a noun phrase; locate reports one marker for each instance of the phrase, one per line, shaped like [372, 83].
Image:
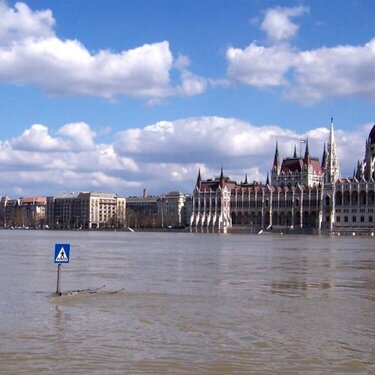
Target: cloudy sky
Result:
[117, 96]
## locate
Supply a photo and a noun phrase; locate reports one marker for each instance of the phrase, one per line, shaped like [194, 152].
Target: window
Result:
[362, 219]
[370, 219]
[338, 219]
[345, 219]
[354, 219]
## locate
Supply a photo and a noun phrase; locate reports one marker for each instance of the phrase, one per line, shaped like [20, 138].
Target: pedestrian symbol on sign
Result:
[62, 257]
[62, 252]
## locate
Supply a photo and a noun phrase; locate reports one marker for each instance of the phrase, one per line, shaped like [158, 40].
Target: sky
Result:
[118, 96]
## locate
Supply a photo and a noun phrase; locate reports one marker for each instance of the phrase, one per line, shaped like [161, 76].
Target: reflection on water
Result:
[187, 303]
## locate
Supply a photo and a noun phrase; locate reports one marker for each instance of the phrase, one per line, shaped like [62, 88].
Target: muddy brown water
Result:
[181, 303]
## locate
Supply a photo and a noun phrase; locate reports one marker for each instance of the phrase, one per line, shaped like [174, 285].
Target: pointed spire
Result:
[221, 177]
[324, 157]
[332, 172]
[246, 179]
[268, 179]
[331, 133]
[295, 152]
[199, 180]
[306, 159]
[276, 159]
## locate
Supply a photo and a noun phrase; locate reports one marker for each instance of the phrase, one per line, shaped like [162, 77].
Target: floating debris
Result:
[90, 291]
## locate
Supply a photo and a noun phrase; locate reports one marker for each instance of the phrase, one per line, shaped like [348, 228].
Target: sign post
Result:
[62, 255]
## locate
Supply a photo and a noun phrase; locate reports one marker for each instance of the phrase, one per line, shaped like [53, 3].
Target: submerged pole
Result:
[58, 292]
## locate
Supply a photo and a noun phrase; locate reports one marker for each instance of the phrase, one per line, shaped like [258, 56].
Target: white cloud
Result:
[258, 65]
[340, 71]
[30, 53]
[79, 134]
[160, 157]
[306, 76]
[35, 138]
[199, 139]
[21, 22]
[277, 23]
[191, 84]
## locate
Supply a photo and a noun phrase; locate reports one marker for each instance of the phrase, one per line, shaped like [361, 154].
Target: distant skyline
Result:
[117, 96]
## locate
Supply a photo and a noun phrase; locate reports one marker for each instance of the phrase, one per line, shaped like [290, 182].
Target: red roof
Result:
[296, 165]
[39, 200]
[316, 165]
[292, 165]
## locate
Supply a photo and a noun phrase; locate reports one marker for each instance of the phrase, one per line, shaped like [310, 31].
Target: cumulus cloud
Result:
[35, 138]
[80, 135]
[340, 71]
[239, 146]
[161, 157]
[198, 139]
[306, 76]
[31, 53]
[277, 23]
[258, 65]
[21, 23]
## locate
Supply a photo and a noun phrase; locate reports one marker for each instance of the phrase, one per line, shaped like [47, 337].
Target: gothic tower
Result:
[332, 169]
[276, 167]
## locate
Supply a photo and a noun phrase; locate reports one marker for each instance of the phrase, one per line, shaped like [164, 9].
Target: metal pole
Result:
[58, 292]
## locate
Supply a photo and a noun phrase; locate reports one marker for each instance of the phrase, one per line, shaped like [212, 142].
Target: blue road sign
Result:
[62, 253]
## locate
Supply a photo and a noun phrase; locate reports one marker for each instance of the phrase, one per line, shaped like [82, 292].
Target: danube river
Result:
[180, 303]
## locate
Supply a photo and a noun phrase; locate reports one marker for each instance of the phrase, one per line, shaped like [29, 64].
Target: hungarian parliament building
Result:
[300, 194]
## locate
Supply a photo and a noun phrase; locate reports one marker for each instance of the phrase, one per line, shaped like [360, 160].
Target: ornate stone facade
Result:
[303, 195]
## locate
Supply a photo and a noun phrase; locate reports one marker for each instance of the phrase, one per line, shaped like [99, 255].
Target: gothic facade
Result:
[303, 195]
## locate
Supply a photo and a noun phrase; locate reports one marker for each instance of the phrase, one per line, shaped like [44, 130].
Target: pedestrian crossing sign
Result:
[62, 253]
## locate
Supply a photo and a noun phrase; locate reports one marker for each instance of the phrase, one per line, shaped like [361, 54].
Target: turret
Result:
[306, 159]
[332, 172]
[324, 158]
[276, 159]
[246, 179]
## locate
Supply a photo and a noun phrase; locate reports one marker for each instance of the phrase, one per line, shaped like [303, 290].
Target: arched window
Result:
[362, 198]
[354, 197]
[338, 198]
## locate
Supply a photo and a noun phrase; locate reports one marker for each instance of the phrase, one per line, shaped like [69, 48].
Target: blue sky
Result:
[125, 95]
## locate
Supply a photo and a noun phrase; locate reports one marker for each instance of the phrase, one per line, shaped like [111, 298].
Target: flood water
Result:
[181, 303]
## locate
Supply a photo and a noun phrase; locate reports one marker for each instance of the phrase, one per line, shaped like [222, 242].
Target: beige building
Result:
[86, 211]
